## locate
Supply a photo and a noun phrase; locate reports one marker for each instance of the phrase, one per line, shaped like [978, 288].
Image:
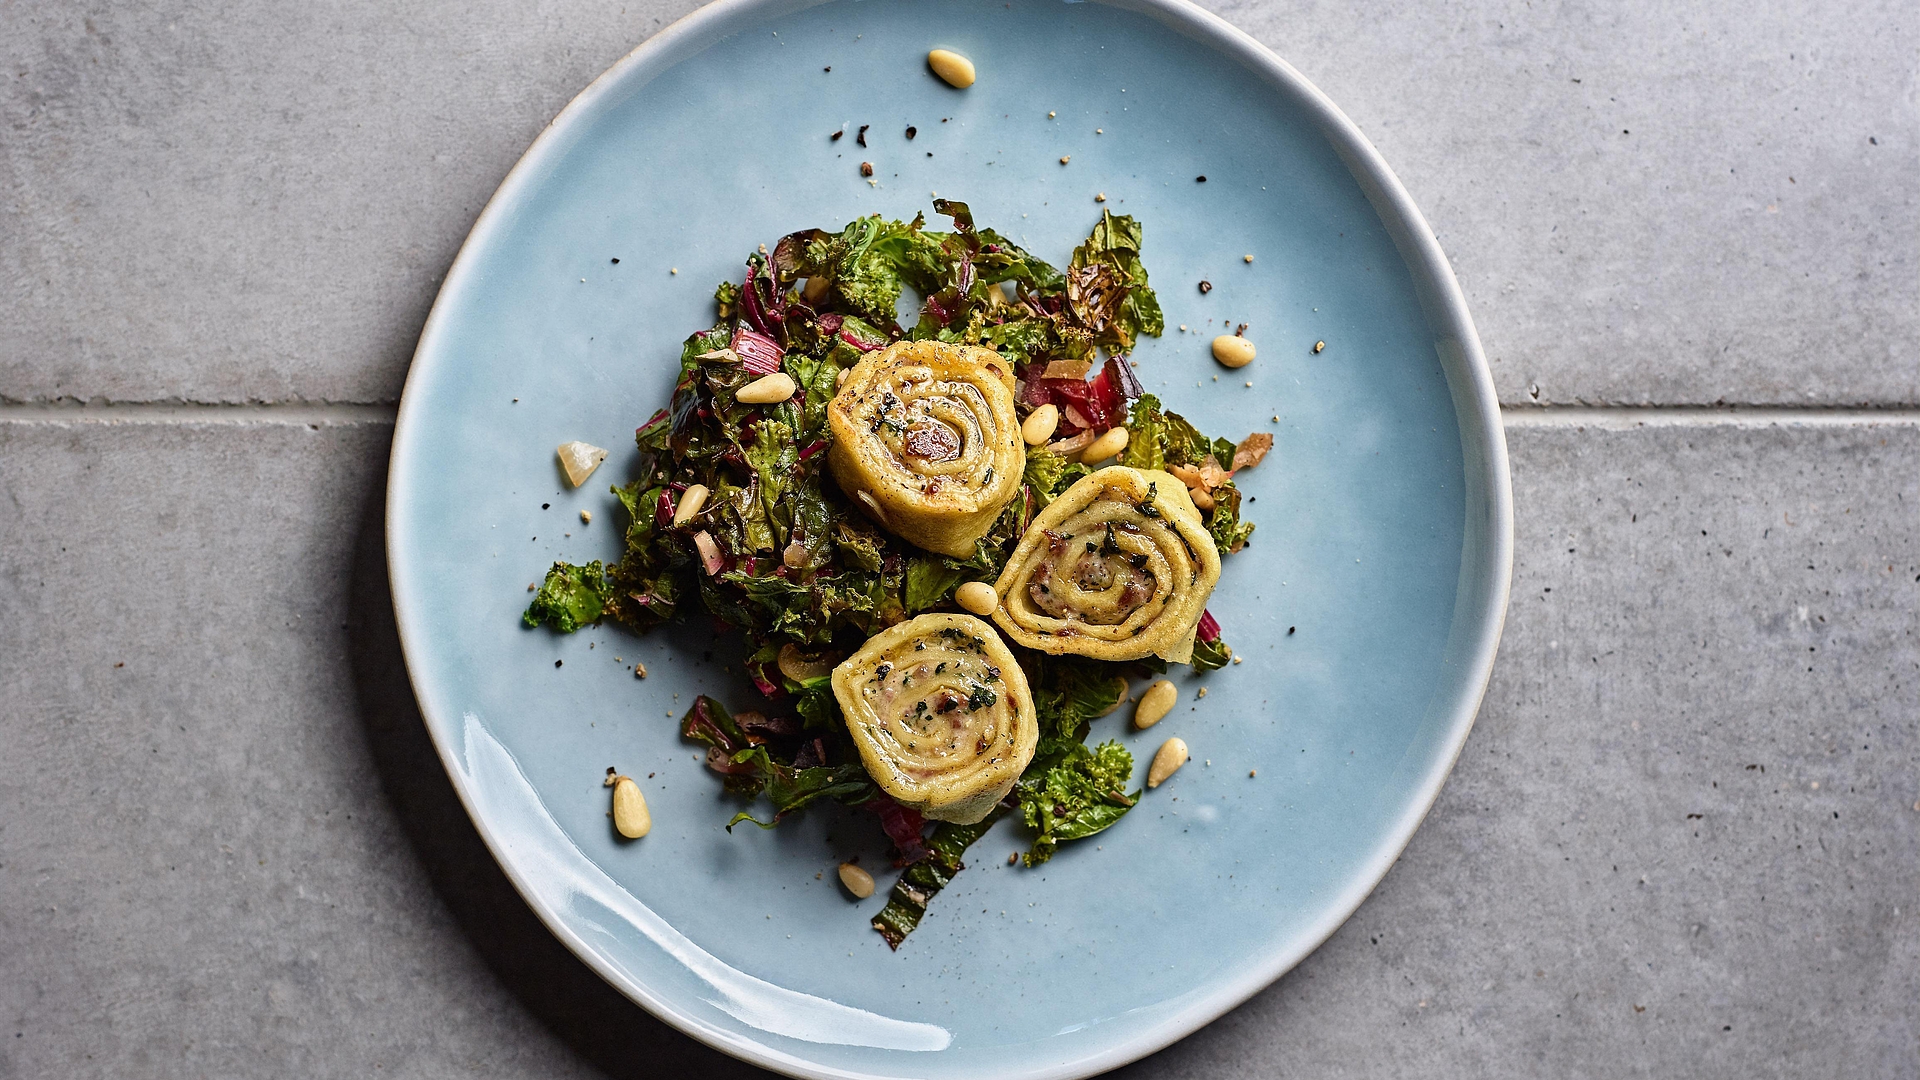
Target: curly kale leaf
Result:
[1160, 439]
[1083, 794]
[872, 259]
[1049, 474]
[1069, 693]
[1229, 532]
[570, 597]
[1107, 284]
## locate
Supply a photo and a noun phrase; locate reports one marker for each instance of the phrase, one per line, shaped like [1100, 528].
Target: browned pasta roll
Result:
[941, 713]
[1119, 567]
[925, 440]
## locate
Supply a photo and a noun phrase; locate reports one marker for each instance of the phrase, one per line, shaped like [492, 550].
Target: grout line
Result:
[1627, 417]
[308, 413]
[332, 413]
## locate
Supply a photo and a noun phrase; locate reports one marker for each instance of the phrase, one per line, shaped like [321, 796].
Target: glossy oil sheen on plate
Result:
[1366, 608]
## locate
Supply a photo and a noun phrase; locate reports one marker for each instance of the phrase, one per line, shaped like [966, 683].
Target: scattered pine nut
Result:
[977, 597]
[954, 70]
[1248, 258]
[1319, 345]
[586, 517]
[691, 500]
[1155, 704]
[766, 390]
[1040, 424]
[1200, 693]
[1166, 761]
[1106, 446]
[1064, 158]
[630, 814]
[857, 881]
[1102, 197]
[1233, 351]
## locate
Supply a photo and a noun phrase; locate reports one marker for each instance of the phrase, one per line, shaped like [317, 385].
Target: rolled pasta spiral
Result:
[926, 442]
[1118, 567]
[941, 714]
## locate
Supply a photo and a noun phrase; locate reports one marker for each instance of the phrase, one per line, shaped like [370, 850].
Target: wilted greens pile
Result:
[785, 560]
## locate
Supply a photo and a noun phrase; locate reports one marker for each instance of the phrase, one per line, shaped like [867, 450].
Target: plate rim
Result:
[1476, 407]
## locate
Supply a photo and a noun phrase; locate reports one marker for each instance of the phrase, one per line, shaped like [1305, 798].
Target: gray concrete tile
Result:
[236, 855]
[209, 202]
[218, 857]
[1684, 838]
[1667, 203]
[218, 204]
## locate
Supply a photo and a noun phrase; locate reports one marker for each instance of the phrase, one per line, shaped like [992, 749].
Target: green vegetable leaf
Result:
[1107, 284]
[1211, 656]
[1085, 793]
[570, 597]
[791, 789]
[1230, 534]
[929, 581]
[923, 880]
[1049, 474]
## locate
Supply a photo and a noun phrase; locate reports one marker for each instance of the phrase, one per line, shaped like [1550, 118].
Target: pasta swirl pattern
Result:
[926, 442]
[1119, 567]
[941, 714]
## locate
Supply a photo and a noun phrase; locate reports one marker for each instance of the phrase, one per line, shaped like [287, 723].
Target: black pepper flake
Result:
[912, 131]
[1290, 630]
[861, 138]
[543, 506]
[1199, 179]
[829, 67]
[835, 137]
[616, 262]
[866, 168]
[1206, 287]
[556, 663]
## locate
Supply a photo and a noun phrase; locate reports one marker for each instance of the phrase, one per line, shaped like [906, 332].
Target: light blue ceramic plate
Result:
[1384, 523]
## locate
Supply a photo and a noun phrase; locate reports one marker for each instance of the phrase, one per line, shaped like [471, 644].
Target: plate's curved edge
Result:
[1476, 405]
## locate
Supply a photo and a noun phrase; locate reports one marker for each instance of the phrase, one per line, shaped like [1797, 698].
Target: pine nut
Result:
[1232, 350]
[1040, 424]
[766, 390]
[1104, 447]
[1155, 704]
[691, 500]
[1166, 761]
[630, 814]
[977, 597]
[954, 70]
[857, 881]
